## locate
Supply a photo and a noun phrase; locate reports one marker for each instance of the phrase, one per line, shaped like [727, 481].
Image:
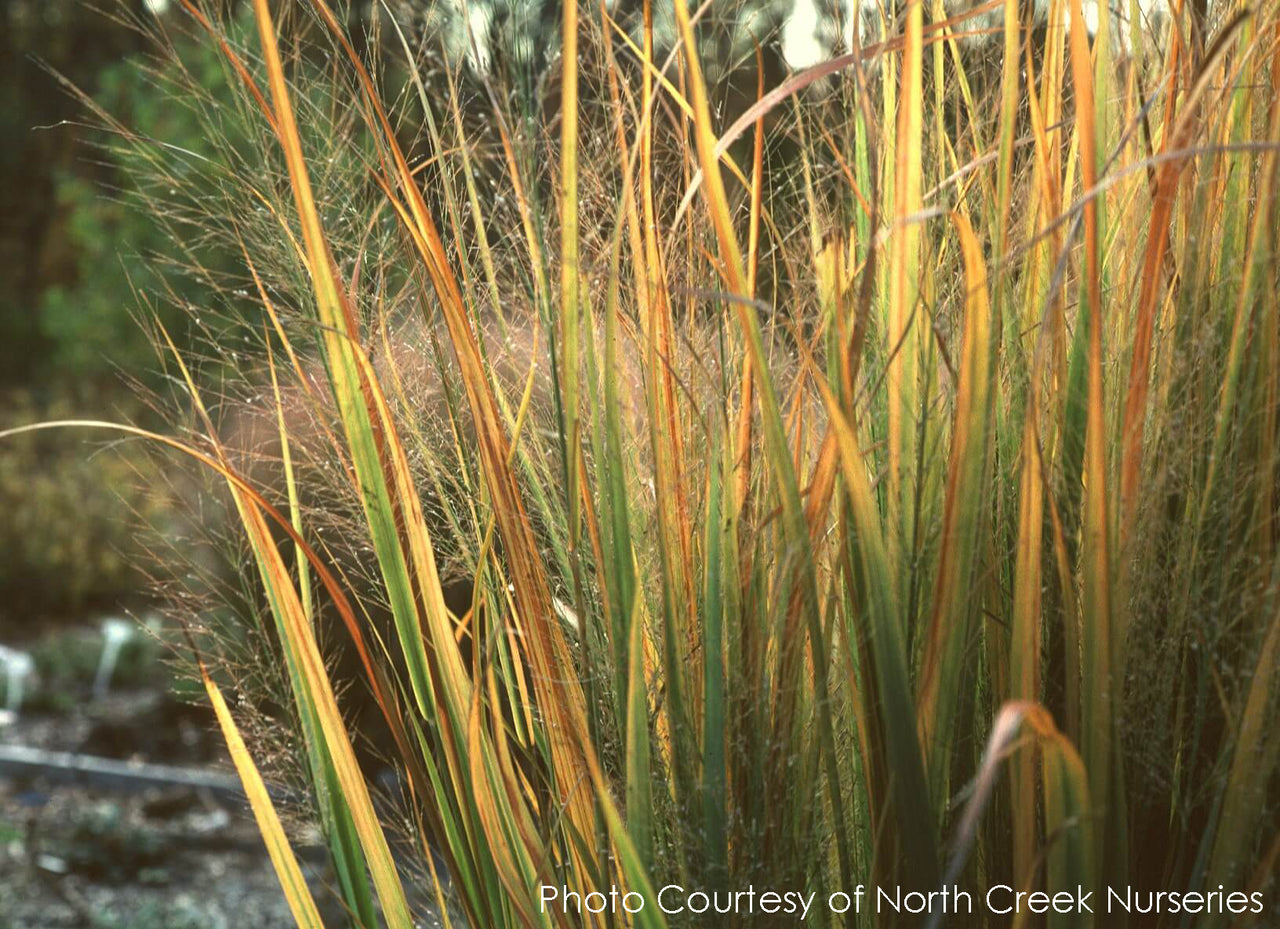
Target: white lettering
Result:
[661, 893]
[992, 894]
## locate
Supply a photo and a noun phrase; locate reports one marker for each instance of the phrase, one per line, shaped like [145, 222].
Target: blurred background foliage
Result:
[79, 257]
[68, 533]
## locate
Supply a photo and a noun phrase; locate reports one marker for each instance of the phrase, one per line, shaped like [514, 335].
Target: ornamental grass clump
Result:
[877, 485]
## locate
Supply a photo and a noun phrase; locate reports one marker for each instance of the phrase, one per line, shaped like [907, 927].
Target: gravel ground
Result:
[170, 858]
[93, 857]
[157, 860]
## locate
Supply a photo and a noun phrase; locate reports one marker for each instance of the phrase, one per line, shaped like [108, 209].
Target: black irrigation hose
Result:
[18, 761]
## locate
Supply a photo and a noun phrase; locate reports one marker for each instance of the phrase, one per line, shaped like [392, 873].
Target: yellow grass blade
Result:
[570, 308]
[296, 892]
[903, 329]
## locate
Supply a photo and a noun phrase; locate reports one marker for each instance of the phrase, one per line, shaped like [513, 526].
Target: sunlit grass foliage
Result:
[879, 489]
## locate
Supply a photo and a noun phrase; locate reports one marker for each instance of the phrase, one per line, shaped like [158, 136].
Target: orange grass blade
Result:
[1021, 727]
[1097, 716]
[956, 599]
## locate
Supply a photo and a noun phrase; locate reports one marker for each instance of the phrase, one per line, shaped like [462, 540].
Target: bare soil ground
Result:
[163, 858]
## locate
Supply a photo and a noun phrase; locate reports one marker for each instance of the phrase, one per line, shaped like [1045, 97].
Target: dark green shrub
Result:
[71, 510]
